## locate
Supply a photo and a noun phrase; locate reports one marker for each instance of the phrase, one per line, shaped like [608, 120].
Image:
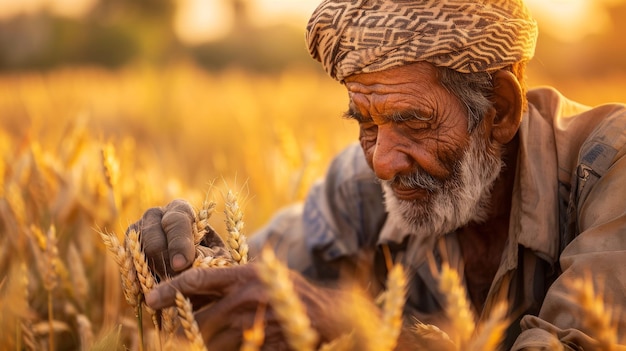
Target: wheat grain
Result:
[210, 261]
[190, 326]
[457, 307]
[395, 298]
[284, 301]
[234, 224]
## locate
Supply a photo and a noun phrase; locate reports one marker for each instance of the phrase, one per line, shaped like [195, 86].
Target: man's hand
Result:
[226, 301]
[167, 237]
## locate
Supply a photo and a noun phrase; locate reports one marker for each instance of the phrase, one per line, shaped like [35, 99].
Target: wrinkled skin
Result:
[227, 299]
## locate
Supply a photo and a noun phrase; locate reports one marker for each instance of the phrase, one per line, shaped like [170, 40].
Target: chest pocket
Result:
[595, 159]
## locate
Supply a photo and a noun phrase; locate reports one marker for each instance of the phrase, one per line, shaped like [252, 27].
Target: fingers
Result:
[153, 239]
[204, 283]
[177, 223]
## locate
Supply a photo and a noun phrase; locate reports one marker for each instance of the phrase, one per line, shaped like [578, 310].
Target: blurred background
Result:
[109, 107]
[202, 91]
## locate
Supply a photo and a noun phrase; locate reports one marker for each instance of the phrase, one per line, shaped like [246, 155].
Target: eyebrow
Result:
[397, 117]
[352, 114]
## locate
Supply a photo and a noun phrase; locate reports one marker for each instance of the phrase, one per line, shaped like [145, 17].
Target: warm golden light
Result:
[197, 21]
[572, 20]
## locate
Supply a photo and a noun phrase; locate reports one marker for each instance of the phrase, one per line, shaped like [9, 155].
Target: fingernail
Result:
[179, 262]
[152, 298]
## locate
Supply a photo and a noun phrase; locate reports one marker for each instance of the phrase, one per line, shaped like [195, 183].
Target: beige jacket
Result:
[568, 222]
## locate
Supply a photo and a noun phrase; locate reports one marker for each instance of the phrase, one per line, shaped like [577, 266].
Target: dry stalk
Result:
[190, 327]
[285, 302]
[236, 241]
[395, 298]
[458, 308]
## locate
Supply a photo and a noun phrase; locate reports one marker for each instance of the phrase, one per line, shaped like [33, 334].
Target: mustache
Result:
[417, 179]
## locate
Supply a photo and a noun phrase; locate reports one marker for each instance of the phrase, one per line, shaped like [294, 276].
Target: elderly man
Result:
[522, 191]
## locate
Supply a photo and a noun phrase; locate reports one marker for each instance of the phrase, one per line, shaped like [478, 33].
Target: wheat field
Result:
[85, 151]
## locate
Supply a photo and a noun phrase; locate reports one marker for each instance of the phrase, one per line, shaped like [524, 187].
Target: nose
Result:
[390, 154]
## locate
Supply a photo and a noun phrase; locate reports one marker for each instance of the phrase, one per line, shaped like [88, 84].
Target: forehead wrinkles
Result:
[381, 99]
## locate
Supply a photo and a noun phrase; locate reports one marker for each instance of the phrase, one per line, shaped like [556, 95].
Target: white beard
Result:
[454, 202]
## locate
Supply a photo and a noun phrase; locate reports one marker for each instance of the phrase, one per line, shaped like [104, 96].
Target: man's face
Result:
[436, 175]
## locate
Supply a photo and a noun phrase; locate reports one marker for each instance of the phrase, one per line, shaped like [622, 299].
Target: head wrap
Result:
[360, 36]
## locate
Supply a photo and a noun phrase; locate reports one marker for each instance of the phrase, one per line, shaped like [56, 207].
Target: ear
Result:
[508, 102]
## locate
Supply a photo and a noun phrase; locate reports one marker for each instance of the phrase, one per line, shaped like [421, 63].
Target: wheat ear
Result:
[458, 307]
[146, 279]
[190, 326]
[395, 298]
[284, 301]
[202, 222]
[253, 338]
[342, 343]
[51, 278]
[169, 323]
[234, 224]
[124, 259]
[491, 334]
[596, 316]
[25, 327]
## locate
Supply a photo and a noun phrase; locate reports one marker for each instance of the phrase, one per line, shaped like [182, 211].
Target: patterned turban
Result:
[360, 36]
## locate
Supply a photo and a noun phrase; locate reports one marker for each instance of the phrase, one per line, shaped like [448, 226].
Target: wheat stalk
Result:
[284, 301]
[458, 308]
[190, 326]
[234, 225]
[395, 298]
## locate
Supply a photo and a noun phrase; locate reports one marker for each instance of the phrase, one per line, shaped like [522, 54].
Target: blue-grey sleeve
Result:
[342, 214]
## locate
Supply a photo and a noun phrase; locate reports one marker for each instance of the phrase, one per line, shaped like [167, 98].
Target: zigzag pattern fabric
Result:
[360, 36]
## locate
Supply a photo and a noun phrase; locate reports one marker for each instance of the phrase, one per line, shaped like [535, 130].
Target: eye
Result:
[416, 125]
